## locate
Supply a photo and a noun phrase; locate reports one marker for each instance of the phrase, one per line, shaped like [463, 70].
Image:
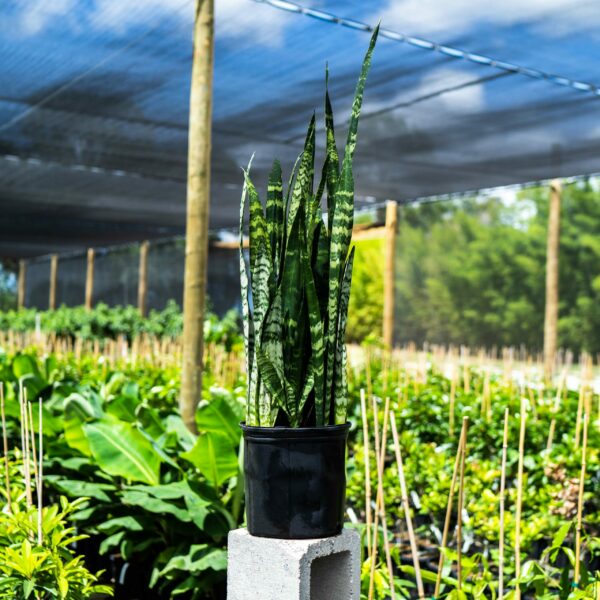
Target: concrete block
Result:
[272, 569]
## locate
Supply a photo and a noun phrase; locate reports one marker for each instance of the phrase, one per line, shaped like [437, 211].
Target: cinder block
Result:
[273, 569]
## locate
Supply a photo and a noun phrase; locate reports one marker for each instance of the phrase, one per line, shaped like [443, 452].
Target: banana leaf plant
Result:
[299, 281]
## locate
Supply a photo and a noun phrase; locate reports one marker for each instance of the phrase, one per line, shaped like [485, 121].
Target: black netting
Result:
[116, 273]
[93, 107]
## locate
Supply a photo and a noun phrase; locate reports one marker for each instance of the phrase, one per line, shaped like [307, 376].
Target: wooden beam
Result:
[143, 278]
[198, 202]
[89, 279]
[358, 235]
[391, 222]
[551, 316]
[53, 277]
[21, 285]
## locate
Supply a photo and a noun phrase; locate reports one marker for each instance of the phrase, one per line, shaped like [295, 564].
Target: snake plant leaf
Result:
[260, 300]
[258, 235]
[332, 161]
[275, 390]
[274, 214]
[270, 360]
[293, 308]
[341, 383]
[303, 186]
[244, 285]
[343, 217]
[317, 339]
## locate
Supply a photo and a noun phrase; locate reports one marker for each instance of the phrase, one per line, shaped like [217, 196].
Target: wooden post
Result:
[21, 289]
[391, 211]
[198, 200]
[89, 279]
[551, 319]
[143, 278]
[53, 274]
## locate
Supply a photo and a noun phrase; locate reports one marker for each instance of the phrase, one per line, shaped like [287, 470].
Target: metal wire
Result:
[451, 51]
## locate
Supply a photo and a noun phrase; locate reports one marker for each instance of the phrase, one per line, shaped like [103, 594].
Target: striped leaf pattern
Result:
[300, 276]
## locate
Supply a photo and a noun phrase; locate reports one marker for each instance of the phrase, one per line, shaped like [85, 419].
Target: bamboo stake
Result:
[5, 441]
[519, 498]
[25, 441]
[32, 434]
[381, 505]
[444, 543]
[452, 400]
[580, 499]
[461, 502]
[582, 394]
[502, 500]
[363, 408]
[378, 499]
[406, 507]
[40, 475]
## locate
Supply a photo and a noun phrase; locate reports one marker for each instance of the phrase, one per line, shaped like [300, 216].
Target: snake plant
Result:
[299, 282]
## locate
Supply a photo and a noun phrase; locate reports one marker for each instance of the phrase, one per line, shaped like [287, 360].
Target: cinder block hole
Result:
[330, 577]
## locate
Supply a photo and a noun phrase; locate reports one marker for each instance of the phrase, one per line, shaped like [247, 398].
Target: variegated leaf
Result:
[340, 383]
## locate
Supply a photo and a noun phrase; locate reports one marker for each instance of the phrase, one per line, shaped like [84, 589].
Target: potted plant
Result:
[300, 272]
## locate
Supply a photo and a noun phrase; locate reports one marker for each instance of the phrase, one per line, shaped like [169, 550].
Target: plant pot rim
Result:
[279, 433]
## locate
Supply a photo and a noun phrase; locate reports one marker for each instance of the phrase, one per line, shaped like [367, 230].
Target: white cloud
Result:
[432, 17]
[39, 13]
[243, 20]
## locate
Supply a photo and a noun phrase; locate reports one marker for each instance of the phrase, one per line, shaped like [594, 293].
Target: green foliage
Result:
[472, 271]
[158, 496]
[300, 274]
[549, 497]
[112, 322]
[365, 314]
[46, 570]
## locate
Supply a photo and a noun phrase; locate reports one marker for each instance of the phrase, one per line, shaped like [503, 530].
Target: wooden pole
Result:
[89, 279]
[551, 318]
[143, 278]
[53, 276]
[391, 211]
[198, 197]
[21, 289]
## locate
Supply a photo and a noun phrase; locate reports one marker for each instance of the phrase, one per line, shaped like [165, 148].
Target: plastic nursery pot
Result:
[295, 480]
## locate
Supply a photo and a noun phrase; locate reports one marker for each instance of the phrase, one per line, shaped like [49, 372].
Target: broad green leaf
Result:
[77, 489]
[129, 523]
[215, 416]
[215, 457]
[139, 497]
[122, 450]
[199, 558]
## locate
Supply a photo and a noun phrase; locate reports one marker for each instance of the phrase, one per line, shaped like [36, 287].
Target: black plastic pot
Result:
[295, 480]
